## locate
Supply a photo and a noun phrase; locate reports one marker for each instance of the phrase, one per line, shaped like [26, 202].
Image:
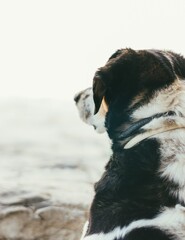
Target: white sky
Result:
[52, 48]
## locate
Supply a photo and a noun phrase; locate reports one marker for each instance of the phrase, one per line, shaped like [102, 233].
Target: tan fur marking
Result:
[105, 107]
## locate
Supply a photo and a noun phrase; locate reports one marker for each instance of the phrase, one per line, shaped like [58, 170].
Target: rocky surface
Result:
[49, 161]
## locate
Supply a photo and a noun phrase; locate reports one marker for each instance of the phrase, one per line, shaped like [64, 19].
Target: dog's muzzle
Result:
[85, 105]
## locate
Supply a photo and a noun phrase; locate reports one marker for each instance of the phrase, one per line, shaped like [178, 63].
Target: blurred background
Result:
[49, 50]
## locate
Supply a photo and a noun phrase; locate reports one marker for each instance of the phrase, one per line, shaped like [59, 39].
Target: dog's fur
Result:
[141, 195]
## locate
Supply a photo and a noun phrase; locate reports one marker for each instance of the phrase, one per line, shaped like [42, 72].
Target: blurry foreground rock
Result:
[49, 161]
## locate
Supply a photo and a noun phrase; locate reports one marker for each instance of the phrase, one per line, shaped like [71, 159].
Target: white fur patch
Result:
[84, 230]
[171, 220]
[173, 160]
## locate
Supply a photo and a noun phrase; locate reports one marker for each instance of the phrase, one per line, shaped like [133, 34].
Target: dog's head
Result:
[130, 79]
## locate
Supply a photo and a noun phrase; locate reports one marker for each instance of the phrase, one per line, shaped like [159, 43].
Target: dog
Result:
[138, 98]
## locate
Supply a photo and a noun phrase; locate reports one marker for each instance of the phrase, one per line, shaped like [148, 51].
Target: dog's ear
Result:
[116, 54]
[99, 89]
[110, 79]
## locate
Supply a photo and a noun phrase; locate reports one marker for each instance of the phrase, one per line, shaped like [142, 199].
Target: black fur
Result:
[130, 188]
[147, 234]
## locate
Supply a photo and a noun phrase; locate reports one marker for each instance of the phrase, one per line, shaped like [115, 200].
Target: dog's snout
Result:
[77, 97]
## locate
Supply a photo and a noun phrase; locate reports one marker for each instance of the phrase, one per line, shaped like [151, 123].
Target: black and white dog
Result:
[138, 97]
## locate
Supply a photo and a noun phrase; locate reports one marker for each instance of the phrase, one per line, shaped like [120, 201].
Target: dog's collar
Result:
[135, 134]
[136, 126]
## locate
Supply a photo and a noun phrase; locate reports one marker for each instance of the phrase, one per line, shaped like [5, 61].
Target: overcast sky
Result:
[52, 48]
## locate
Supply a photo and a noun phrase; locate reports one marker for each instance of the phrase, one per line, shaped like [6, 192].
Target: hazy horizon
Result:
[51, 49]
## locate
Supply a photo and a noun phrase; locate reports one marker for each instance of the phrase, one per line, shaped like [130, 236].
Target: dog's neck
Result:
[138, 131]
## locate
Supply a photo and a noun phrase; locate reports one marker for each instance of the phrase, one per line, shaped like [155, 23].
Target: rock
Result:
[49, 162]
[62, 222]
